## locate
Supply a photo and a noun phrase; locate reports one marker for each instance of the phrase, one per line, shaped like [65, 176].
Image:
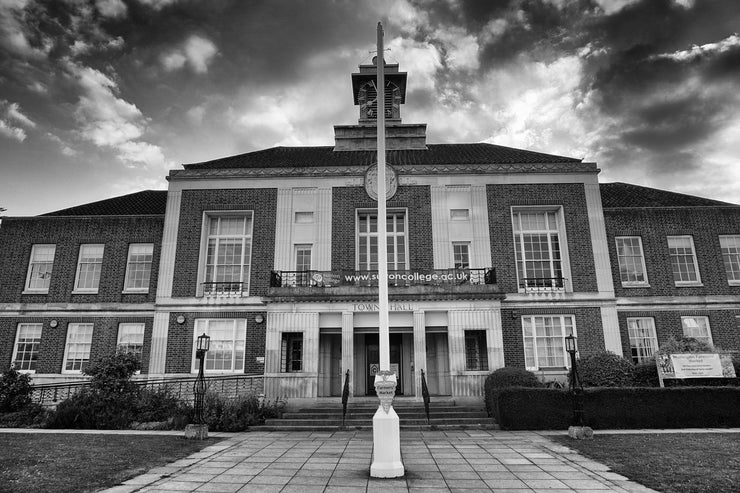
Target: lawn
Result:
[670, 462]
[84, 462]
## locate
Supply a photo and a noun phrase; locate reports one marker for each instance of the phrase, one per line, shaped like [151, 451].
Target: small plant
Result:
[15, 391]
[605, 369]
[238, 413]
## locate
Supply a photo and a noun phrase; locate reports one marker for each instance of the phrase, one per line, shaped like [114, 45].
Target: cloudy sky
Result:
[101, 98]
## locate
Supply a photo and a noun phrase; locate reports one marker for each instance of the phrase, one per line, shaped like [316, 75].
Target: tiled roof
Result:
[279, 157]
[144, 203]
[619, 195]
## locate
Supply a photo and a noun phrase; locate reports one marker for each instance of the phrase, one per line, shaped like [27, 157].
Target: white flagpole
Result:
[383, 331]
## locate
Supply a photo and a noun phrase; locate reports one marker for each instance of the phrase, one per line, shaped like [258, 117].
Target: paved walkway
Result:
[436, 461]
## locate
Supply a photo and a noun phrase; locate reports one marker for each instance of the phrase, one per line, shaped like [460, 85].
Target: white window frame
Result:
[701, 322]
[730, 248]
[459, 214]
[99, 264]
[621, 259]
[85, 340]
[238, 342]
[559, 228]
[286, 359]
[671, 256]
[246, 265]
[130, 264]
[391, 235]
[32, 262]
[466, 246]
[35, 344]
[568, 328]
[124, 338]
[651, 337]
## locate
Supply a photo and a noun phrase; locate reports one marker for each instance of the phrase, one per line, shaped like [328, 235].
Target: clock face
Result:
[371, 182]
[367, 96]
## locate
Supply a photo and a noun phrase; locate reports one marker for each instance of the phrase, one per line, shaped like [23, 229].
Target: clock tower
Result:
[363, 136]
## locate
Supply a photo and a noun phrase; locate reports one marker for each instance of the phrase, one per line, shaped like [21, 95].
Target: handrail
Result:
[223, 288]
[425, 394]
[542, 284]
[345, 397]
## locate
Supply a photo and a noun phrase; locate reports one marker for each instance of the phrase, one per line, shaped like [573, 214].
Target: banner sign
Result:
[694, 365]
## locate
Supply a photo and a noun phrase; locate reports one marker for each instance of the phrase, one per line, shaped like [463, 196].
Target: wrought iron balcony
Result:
[223, 289]
[397, 278]
[542, 284]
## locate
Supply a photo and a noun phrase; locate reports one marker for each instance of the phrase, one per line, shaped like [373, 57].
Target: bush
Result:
[161, 405]
[237, 414]
[645, 374]
[30, 416]
[508, 376]
[15, 391]
[605, 369]
[685, 345]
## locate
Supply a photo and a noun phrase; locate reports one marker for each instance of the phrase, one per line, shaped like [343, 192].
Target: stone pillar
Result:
[420, 350]
[348, 350]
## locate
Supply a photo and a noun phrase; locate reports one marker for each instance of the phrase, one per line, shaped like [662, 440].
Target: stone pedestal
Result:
[386, 431]
[580, 432]
[196, 432]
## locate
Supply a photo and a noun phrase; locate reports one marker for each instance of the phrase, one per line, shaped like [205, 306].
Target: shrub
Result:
[508, 376]
[161, 405]
[15, 391]
[238, 413]
[30, 416]
[112, 374]
[685, 345]
[605, 369]
[645, 374]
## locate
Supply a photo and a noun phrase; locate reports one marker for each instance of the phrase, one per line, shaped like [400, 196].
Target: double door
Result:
[372, 354]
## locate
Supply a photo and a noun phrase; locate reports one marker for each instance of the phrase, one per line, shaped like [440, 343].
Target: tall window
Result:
[476, 350]
[730, 246]
[291, 352]
[537, 249]
[131, 338]
[228, 340]
[643, 341]
[26, 350]
[40, 267]
[89, 265]
[228, 254]
[631, 261]
[302, 264]
[77, 350]
[139, 267]
[367, 240]
[697, 327]
[544, 340]
[461, 255]
[683, 260]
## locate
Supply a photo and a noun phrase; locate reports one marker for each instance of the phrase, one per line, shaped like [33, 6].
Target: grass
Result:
[84, 462]
[670, 462]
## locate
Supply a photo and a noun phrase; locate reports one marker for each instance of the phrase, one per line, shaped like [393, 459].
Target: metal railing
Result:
[223, 289]
[228, 386]
[345, 397]
[369, 278]
[542, 284]
[425, 394]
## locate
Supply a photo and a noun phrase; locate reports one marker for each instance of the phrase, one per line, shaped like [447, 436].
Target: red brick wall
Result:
[415, 199]
[572, 198]
[180, 341]
[53, 340]
[704, 224]
[194, 202]
[17, 236]
[589, 330]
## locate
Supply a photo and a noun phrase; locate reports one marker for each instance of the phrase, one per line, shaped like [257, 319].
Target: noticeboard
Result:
[694, 365]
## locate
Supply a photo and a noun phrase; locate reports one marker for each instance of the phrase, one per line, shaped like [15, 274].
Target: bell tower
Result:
[363, 136]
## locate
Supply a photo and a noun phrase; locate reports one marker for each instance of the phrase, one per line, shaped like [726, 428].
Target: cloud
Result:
[111, 8]
[11, 132]
[704, 50]
[196, 52]
[12, 120]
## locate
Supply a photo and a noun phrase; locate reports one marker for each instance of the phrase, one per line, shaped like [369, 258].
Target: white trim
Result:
[239, 328]
[632, 284]
[652, 335]
[706, 324]
[15, 344]
[394, 210]
[76, 289]
[70, 326]
[207, 216]
[126, 289]
[29, 290]
[564, 334]
[695, 283]
[735, 239]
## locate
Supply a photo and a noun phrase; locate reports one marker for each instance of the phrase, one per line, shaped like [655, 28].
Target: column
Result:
[420, 350]
[348, 350]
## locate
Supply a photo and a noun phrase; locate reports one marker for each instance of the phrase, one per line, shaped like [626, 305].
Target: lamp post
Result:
[199, 430]
[577, 429]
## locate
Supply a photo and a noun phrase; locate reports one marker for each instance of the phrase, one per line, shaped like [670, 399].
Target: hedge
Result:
[619, 407]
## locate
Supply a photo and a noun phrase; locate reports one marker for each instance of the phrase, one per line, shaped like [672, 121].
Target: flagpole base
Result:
[386, 445]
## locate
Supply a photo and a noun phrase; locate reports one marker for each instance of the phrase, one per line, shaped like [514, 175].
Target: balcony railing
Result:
[368, 278]
[542, 284]
[223, 289]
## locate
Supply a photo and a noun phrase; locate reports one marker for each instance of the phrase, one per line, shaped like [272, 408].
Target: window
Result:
[77, 350]
[476, 350]
[139, 267]
[367, 240]
[537, 249]
[228, 340]
[697, 327]
[544, 340]
[683, 260]
[459, 214]
[291, 352]
[642, 338]
[40, 267]
[730, 246]
[26, 350]
[303, 217]
[131, 338]
[632, 270]
[302, 264]
[89, 265]
[228, 254]
[461, 255]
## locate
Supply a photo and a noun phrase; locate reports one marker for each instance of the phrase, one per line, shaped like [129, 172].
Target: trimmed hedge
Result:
[605, 369]
[508, 376]
[614, 408]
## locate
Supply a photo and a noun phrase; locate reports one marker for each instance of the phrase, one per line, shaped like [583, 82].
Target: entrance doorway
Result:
[372, 352]
[330, 365]
[438, 364]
